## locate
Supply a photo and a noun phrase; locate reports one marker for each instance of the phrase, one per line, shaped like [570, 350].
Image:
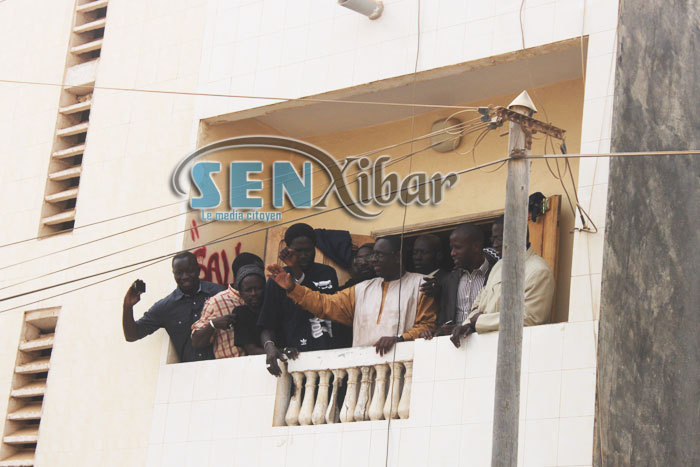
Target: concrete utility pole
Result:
[507, 398]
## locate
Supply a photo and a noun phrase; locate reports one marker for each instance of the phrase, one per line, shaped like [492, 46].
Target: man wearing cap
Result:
[229, 318]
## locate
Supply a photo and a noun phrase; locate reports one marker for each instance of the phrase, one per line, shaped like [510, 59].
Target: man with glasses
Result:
[382, 311]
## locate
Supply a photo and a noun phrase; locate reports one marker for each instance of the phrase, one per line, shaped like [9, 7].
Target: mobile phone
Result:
[140, 286]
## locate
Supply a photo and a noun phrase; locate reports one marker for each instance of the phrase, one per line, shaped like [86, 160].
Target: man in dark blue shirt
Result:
[286, 326]
[176, 312]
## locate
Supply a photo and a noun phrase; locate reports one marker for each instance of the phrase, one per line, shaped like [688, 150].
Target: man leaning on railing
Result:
[382, 311]
[539, 294]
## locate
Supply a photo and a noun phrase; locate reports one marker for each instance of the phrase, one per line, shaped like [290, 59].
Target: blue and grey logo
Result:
[373, 187]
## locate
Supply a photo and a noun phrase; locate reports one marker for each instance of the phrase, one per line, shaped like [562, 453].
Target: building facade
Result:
[101, 100]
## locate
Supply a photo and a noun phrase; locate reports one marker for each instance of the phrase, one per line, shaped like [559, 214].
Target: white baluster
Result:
[307, 407]
[292, 417]
[347, 413]
[284, 386]
[333, 411]
[376, 407]
[391, 406]
[405, 402]
[362, 407]
[318, 417]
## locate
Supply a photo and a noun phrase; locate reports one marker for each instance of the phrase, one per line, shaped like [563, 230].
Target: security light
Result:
[370, 8]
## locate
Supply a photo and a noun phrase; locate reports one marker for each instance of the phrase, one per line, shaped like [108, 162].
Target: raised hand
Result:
[288, 257]
[132, 296]
[282, 277]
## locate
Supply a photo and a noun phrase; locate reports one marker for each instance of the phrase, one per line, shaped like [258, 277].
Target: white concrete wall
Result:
[99, 404]
[219, 413]
[587, 262]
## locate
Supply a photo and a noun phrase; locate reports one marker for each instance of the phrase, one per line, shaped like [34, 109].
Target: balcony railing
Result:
[439, 409]
[358, 385]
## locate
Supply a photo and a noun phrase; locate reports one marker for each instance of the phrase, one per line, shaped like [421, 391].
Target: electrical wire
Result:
[428, 135]
[558, 177]
[167, 236]
[8, 266]
[522, 29]
[461, 172]
[396, 160]
[690, 152]
[52, 234]
[239, 96]
[227, 238]
[83, 286]
[583, 26]
[397, 330]
[461, 126]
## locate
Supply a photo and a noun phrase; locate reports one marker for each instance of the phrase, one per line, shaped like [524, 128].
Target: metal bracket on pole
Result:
[528, 125]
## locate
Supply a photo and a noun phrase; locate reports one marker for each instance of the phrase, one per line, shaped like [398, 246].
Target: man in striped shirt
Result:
[229, 318]
[461, 286]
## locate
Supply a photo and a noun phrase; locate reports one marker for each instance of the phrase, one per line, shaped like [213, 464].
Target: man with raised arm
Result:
[176, 312]
[288, 328]
[382, 311]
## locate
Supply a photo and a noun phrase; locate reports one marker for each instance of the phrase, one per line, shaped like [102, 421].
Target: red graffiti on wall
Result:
[214, 267]
[194, 231]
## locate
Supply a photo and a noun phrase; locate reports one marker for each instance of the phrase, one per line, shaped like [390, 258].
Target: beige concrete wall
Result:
[34, 43]
[101, 388]
[99, 403]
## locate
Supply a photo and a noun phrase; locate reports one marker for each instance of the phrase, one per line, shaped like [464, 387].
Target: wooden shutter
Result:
[544, 236]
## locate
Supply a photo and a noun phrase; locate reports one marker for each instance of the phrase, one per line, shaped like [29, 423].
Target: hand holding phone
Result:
[139, 286]
[133, 294]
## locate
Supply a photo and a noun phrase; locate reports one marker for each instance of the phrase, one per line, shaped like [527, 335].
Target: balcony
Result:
[233, 409]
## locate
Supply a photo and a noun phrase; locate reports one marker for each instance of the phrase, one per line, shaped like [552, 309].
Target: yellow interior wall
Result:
[475, 192]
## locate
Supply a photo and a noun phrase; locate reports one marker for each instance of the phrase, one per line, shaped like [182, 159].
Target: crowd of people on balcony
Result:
[389, 298]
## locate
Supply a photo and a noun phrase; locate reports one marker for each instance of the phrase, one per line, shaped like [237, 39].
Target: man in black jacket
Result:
[459, 288]
[286, 327]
